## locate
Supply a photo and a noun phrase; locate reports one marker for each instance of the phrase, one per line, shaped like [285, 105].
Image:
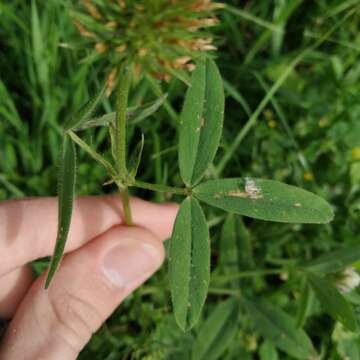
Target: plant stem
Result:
[126, 206]
[120, 122]
[120, 139]
[160, 188]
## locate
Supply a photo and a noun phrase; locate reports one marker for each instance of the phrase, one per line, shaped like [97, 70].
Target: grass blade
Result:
[67, 175]
[256, 20]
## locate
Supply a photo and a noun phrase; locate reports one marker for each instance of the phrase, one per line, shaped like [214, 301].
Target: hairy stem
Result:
[120, 139]
[120, 122]
[126, 206]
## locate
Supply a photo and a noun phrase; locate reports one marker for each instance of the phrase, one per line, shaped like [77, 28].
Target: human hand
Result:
[105, 262]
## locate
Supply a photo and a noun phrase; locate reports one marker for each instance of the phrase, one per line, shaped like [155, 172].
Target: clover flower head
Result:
[158, 37]
[348, 280]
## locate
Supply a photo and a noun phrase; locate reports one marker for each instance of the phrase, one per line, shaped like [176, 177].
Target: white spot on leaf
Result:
[252, 190]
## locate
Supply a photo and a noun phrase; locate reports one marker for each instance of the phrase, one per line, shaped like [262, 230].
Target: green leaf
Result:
[134, 115]
[103, 120]
[135, 158]
[348, 346]
[189, 263]
[334, 261]
[38, 47]
[305, 301]
[246, 257]
[332, 301]
[92, 152]
[265, 199]
[267, 351]
[279, 328]
[67, 175]
[235, 249]
[229, 252]
[84, 114]
[217, 332]
[181, 75]
[201, 122]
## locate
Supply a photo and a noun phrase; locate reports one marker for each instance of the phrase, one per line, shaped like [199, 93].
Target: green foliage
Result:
[66, 184]
[134, 114]
[217, 332]
[291, 115]
[135, 158]
[333, 302]
[265, 200]
[189, 263]
[229, 255]
[201, 122]
[334, 261]
[82, 116]
[279, 328]
[268, 351]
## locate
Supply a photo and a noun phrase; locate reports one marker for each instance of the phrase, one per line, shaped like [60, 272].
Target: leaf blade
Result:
[190, 121]
[67, 181]
[217, 331]
[135, 158]
[80, 117]
[212, 123]
[265, 200]
[189, 263]
[334, 261]
[279, 328]
[134, 115]
[267, 351]
[201, 122]
[332, 301]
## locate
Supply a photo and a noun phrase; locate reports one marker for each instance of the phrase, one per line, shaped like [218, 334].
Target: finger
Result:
[93, 280]
[28, 227]
[13, 287]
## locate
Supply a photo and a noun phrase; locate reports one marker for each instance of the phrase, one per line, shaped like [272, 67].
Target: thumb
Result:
[90, 284]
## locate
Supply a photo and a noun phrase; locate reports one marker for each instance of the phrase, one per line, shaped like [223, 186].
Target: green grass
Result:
[292, 114]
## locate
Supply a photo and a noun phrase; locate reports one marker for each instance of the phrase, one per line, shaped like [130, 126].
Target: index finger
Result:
[28, 227]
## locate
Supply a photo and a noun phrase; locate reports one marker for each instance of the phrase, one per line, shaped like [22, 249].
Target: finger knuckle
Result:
[76, 319]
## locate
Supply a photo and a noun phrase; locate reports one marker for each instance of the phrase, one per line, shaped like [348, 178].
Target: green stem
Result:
[120, 139]
[160, 188]
[120, 122]
[126, 206]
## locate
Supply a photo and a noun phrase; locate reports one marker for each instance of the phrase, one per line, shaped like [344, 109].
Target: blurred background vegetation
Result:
[292, 114]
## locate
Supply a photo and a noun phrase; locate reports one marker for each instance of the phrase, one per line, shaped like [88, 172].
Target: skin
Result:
[105, 261]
